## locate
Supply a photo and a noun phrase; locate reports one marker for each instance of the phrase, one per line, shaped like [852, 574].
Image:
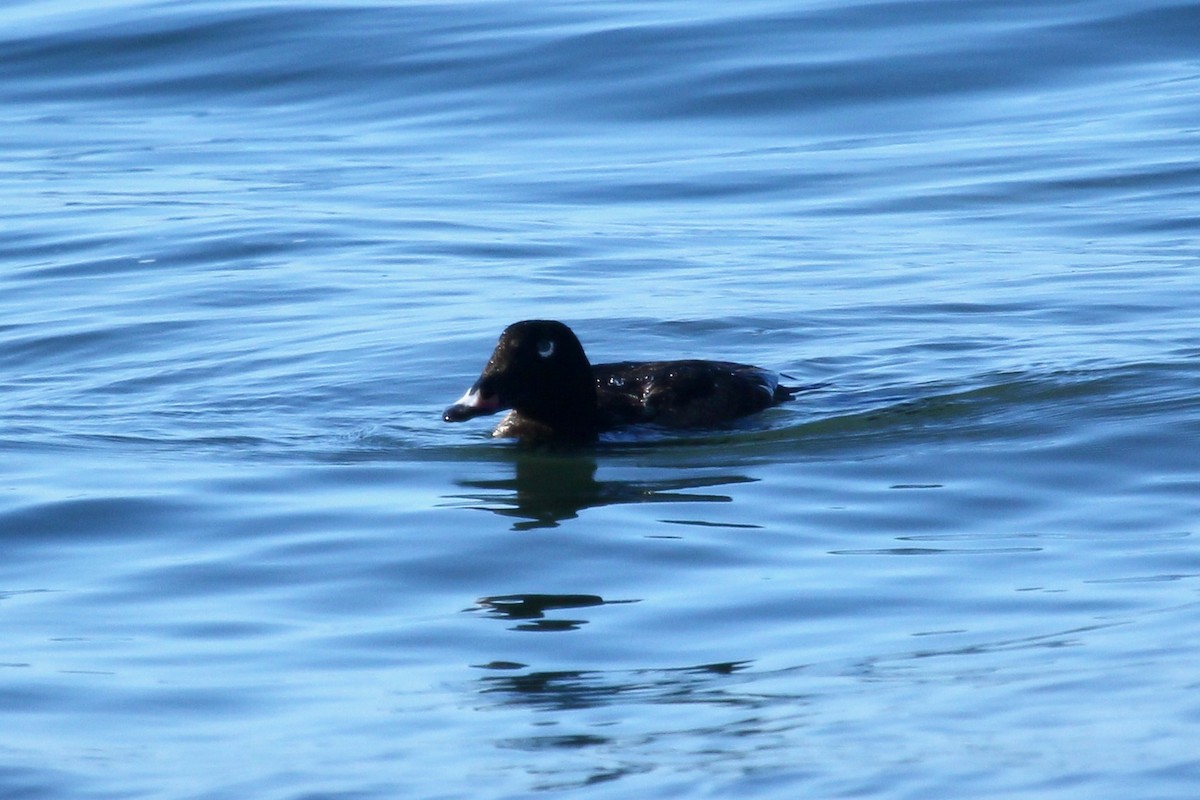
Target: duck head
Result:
[538, 370]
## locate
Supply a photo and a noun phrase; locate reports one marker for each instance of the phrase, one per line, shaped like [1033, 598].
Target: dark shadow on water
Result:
[571, 689]
[677, 714]
[548, 488]
[735, 683]
[530, 610]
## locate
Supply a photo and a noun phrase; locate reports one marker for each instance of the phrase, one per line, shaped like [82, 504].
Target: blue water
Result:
[250, 251]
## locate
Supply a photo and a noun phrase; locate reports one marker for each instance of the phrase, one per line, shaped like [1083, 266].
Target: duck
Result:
[541, 375]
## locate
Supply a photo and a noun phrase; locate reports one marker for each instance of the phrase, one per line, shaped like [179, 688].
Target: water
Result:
[251, 250]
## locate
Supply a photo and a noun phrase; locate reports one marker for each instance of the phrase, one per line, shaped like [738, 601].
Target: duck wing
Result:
[684, 394]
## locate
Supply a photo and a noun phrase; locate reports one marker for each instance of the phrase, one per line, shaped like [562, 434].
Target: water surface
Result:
[251, 250]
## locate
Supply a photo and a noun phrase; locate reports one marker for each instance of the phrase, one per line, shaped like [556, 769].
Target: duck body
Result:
[540, 372]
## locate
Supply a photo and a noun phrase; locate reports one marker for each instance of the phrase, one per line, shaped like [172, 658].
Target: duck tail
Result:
[784, 393]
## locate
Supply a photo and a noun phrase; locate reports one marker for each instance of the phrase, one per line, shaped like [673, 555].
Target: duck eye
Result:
[545, 347]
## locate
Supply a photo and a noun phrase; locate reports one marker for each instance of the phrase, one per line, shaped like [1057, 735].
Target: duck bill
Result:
[474, 403]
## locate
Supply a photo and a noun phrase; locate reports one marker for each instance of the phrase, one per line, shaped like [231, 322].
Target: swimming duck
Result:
[540, 372]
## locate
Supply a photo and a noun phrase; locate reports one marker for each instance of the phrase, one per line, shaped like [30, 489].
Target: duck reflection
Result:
[569, 689]
[548, 488]
[529, 610]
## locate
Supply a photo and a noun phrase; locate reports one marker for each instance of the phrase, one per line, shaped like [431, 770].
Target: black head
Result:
[538, 369]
